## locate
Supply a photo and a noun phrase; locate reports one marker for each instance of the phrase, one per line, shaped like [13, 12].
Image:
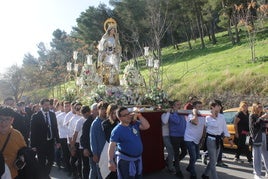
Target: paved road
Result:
[234, 170]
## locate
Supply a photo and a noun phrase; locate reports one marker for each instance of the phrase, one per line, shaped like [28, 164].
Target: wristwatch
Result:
[111, 161]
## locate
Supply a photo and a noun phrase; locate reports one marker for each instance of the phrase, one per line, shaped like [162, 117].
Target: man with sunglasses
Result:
[126, 137]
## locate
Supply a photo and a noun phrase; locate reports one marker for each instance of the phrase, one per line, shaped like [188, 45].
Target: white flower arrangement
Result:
[131, 92]
[132, 77]
[156, 97]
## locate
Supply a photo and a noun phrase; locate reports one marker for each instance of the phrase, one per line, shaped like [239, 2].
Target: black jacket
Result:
[85, 139]
[256, 127]
[38, 134]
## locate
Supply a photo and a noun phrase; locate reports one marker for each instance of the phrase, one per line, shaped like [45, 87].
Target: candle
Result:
[75, 55]
[69, 66]
[89, 60]
[76, 67]
[146, 51]
[156, 64]
[150, 62]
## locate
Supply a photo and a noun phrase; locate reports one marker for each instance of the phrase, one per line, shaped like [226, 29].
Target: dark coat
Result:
[38, 134]
[256, 126]
[31, 170]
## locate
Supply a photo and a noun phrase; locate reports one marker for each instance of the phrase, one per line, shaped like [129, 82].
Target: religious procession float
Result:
[100, 80]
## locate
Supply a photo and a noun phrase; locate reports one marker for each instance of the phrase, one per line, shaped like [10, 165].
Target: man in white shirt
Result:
[74, 145]
[63, 133]
[69, 115]
[193, 133]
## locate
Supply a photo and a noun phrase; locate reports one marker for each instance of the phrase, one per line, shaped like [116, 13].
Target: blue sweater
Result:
[97, 137]
[177, 125]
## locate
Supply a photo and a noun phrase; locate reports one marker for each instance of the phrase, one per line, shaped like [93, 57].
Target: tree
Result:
[133, 26]
[247, 16]
[157, 14]
[14, 83]
[210, 12]
[90, 23]
[31, 71]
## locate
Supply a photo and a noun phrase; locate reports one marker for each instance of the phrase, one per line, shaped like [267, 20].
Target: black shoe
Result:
[221, 164]
[205, 177]
[179, 174]
[173, 171]
[193, 177]
[187, 169]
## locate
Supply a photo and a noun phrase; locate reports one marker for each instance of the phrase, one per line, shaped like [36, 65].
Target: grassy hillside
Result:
[220, 71]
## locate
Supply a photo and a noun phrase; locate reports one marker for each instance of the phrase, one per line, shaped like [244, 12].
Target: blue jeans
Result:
[260, 153]
[194, 153]
[213, 156]
[123, 170]
[94, 169]
[170, 152]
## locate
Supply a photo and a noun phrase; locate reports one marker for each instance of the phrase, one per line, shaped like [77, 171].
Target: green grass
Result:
[219, 71]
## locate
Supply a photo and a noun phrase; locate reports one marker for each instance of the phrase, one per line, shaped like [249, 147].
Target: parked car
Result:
[229, 115]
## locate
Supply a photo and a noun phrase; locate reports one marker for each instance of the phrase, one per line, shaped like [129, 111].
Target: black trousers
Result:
[243, 148]
[85, 165]
[45, 155]
[76, 162]
[180, 150]
[65, 154]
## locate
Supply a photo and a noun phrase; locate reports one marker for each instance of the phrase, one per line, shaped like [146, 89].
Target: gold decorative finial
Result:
[110, 22]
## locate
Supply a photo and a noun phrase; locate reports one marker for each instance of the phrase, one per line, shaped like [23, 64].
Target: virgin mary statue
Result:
[109, 56]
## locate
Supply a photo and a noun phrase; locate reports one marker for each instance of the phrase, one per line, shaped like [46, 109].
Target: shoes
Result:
[238, 160]
[266, 175]
[251, 164]
[221, 164]
[172, 170]
[204, 159]
[204, 176]
[179, 174]
[193, 177]
[257, 177]
[188, 169]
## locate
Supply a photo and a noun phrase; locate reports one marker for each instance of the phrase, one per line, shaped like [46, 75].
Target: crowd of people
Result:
[182, 134]
[76, 138]
[103, 140]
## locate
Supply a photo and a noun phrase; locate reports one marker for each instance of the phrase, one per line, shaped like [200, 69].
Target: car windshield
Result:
[229, 116]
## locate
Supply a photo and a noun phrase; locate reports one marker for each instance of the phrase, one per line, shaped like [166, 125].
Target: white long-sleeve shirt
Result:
[165, 126]
[217, 126]
[71, 126]
[63, 129]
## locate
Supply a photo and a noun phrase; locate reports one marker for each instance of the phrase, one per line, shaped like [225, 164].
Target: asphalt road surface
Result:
[234, 170]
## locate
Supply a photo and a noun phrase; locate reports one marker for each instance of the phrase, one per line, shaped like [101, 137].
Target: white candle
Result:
[146, 51]
[69, 66]
[89, 60]
[76, 67]
[150, 62]
[156, 64]
[75, 55]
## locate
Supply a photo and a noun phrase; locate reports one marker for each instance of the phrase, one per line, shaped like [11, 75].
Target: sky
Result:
[25, 23]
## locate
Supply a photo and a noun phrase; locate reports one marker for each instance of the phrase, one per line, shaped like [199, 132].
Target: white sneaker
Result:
[257, 177]
[204, 159]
